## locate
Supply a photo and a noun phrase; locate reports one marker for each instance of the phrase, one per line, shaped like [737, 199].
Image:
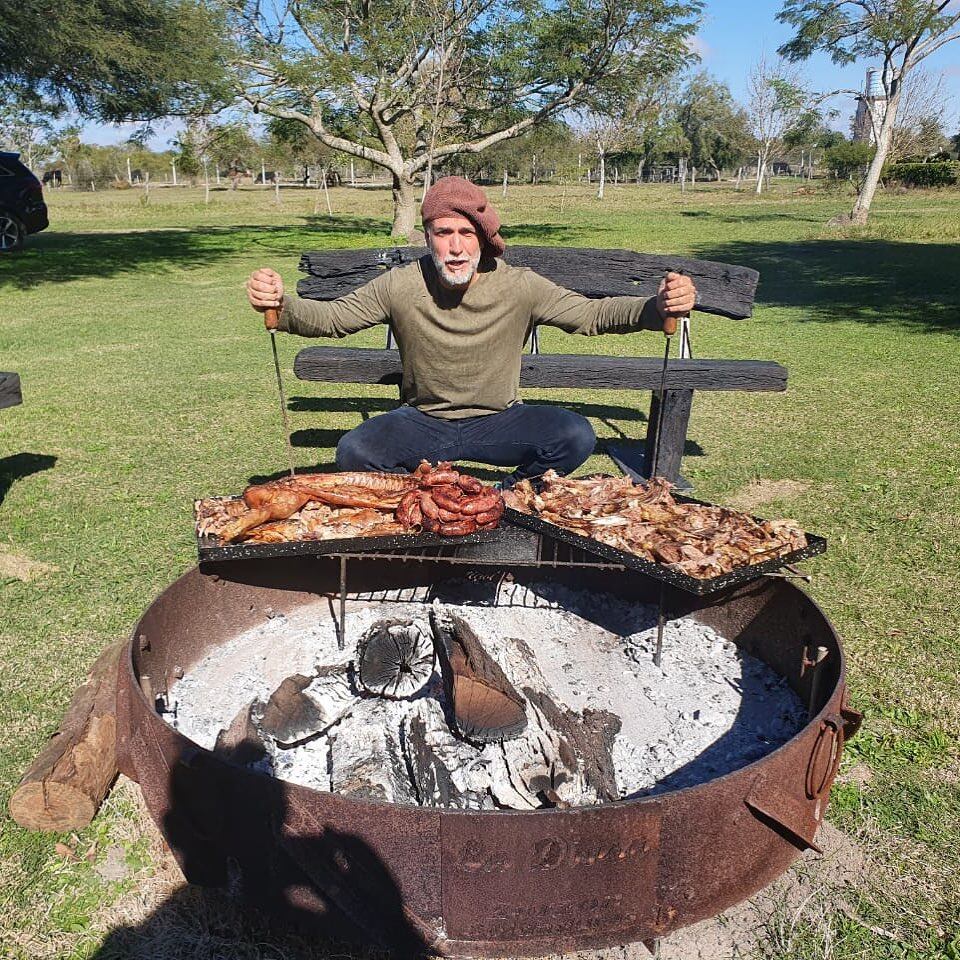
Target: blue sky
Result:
[733, 35]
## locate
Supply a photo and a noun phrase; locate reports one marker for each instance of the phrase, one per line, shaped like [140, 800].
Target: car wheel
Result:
[11, 233]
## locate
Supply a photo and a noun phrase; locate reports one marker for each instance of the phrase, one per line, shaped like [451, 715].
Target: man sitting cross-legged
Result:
[460, 317]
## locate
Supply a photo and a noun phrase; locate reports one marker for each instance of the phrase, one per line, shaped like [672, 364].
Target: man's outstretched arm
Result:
[364, 307]
[558, 307]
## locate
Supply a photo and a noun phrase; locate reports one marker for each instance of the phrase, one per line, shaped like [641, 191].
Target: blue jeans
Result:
[533, 439]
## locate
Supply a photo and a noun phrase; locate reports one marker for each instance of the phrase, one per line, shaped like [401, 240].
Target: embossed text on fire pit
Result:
[548, 874]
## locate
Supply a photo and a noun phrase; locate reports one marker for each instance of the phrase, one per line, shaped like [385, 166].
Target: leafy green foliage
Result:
[945, 173]
[714, 126]
[113, 59]
[422, 82]
[849, 158]
[852, 30]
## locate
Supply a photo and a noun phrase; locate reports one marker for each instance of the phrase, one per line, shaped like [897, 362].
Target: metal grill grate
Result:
[515, 545]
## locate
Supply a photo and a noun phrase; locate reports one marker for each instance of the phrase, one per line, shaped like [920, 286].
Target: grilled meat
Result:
[699, 540]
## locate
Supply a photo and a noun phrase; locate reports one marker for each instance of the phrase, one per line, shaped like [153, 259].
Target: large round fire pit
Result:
[479, 883]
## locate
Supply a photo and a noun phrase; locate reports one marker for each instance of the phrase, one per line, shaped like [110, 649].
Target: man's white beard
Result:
[455, 279]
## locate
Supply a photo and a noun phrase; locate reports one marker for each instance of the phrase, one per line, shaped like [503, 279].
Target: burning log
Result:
[396, 658]
[446, 772]
[240, 743]
[366, 759]
[64, 787]
[303, 707]
[484, 703]
[564, 758]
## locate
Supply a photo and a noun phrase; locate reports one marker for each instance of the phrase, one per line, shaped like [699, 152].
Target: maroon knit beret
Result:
[456, 197]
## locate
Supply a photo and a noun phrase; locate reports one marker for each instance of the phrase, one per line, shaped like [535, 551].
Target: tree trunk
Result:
[603, 176]
[761, 163]
[404, 206]
[861, 209]
[65, 785]
[506, 178]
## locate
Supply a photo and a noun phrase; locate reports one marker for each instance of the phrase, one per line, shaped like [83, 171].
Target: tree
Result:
[811, 133]
[113, 59]
[849, 159]
[617, 124]
[901, 33]
[777, 104]
[921, 118]
[295, 144]
[407, 86]
[26, 125]
[716, 129]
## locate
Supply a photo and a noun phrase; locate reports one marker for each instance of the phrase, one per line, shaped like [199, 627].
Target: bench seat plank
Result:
[10, 394]
[724, 289]
[585, 372]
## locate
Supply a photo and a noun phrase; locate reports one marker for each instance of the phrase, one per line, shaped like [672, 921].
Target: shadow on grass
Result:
[726, 217]
[22, 465]
[869, 281]
[53, 257]
[540, 233]
[56, 257]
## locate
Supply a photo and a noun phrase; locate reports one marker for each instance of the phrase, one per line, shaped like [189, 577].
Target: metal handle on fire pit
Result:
[833, 723]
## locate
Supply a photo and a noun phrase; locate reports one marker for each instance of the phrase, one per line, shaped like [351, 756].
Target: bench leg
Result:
[676, 417]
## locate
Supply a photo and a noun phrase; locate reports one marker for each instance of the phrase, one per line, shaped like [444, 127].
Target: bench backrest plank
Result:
[724, 289]
[585, 372]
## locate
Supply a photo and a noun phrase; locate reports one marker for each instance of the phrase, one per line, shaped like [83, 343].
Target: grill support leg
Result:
[342, 627]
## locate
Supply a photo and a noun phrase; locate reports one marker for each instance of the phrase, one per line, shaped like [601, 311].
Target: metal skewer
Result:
[661, 618]
[669, 329]
[271, 319]
[342, 632]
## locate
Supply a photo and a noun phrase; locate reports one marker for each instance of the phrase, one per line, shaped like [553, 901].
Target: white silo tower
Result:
[871, 108]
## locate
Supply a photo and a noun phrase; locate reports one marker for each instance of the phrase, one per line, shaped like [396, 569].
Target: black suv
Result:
[22, 209]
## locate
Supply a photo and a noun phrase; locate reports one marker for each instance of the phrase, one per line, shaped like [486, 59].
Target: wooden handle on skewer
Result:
[271, 318]
[670, 325]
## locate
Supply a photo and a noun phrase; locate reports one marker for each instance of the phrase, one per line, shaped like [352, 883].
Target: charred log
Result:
[240, 743]
[446, 772]
[366, 758]
[396, 658]
[304, 707]
[484, 704]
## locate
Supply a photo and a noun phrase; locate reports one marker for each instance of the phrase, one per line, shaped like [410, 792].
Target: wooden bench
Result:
[10, 394]
[723, 290]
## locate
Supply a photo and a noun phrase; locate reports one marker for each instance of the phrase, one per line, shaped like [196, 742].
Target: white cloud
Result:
[700, 47]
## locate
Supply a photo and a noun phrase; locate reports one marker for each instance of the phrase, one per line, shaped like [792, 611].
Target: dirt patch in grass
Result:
[13, 566]
[757, 493]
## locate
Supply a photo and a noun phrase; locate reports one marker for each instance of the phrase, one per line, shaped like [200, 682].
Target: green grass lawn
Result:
[148, 382]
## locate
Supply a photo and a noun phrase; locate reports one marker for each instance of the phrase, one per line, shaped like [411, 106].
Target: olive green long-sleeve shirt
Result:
[461, 349]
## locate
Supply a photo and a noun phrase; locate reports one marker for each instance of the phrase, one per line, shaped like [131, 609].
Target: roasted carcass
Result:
[328, 506]
[697, 539]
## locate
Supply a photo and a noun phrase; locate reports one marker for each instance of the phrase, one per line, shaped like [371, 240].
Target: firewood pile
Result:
[468, 739]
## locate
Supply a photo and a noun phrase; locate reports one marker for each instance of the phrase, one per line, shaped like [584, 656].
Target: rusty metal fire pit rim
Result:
[839, 688]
